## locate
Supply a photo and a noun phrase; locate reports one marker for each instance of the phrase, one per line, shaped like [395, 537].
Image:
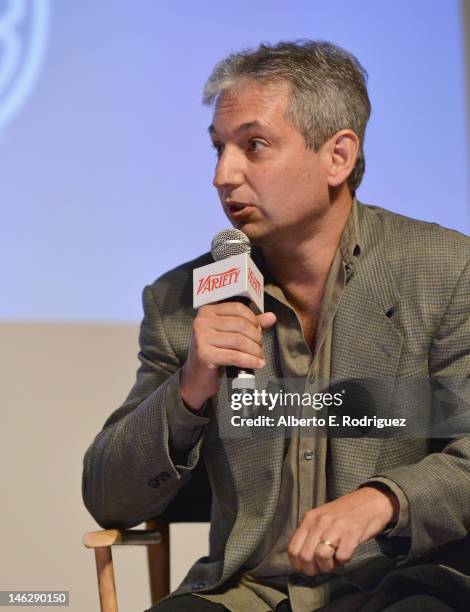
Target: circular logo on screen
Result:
[23, 34]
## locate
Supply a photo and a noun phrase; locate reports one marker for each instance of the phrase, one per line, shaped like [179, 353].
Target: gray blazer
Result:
[404, 314]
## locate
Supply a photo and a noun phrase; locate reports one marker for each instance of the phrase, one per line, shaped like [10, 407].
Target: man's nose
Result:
[229, 170]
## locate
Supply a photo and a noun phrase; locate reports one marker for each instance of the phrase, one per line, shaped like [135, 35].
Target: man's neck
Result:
[301, 268]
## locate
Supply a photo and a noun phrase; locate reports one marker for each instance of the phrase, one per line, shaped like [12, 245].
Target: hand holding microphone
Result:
[225, 333]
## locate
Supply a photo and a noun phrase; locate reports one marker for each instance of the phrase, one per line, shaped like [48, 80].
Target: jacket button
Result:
[308, 455]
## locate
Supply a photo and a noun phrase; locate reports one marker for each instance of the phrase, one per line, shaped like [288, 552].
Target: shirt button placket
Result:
[307, 454]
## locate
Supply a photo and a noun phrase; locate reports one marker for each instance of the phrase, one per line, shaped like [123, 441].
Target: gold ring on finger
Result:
[330, 544]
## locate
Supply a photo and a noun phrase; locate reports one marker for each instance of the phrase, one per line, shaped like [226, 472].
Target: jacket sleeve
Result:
[138, 462]
[438, 487]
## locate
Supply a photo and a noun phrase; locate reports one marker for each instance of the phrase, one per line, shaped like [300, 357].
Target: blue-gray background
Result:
[106, 169]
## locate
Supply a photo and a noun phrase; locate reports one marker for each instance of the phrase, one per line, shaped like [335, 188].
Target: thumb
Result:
[267, 319]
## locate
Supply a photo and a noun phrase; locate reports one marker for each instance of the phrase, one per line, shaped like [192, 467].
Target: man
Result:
[352, 292]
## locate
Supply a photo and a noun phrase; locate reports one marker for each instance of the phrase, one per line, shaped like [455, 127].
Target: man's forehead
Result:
[250, 106]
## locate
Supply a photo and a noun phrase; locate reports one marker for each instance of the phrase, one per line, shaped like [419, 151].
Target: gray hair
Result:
[328, 89]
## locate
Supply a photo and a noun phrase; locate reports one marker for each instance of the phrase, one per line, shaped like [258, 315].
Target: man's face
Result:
[271, 186]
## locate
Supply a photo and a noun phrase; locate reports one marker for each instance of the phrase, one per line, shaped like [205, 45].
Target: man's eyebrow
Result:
[241, 128]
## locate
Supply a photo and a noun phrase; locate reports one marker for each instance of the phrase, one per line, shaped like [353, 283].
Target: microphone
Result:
[232, 276]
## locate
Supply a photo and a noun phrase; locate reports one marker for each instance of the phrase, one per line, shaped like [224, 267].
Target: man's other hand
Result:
[344, 523]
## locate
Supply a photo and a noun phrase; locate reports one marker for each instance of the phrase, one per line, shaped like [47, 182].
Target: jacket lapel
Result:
[365, 345]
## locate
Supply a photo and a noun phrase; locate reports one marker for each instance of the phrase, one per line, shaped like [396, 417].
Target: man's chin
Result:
[256, 234]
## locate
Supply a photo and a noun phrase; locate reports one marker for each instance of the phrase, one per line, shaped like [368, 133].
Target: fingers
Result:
[322, 542]
[308, 554]
[226, 334]
[239, 325]
[228, 349]
[230, 357]
[235, 350]
[229, 333]
[295, 547]
[314, 555]
[325, 554]
[238, 342]
[329, 535]
[236, 309]
[346, 548]
[267, 319]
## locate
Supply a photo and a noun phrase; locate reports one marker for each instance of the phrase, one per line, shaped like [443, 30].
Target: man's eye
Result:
[218, 149]
[256, 145]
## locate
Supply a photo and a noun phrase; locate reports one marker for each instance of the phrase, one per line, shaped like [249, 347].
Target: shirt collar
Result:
[350, 241]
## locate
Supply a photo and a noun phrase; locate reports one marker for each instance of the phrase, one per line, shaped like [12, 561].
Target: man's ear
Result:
[343, 148]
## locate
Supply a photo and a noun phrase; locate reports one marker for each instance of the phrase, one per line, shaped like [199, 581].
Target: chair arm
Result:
[123, 537]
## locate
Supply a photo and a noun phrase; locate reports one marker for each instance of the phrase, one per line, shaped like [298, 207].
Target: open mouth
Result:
[238, 210]
[236, 207]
